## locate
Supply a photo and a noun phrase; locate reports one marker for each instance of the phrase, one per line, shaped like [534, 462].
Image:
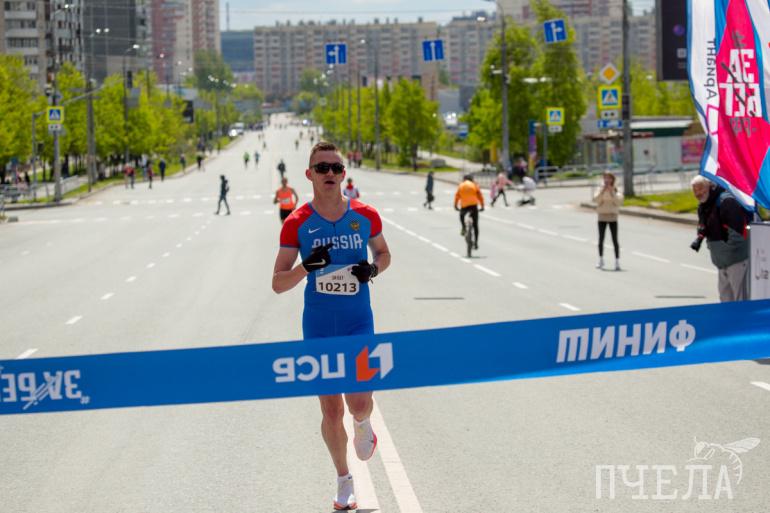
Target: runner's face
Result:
[327, 181]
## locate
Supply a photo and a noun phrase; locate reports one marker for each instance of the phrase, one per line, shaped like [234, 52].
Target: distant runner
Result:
[286, 198]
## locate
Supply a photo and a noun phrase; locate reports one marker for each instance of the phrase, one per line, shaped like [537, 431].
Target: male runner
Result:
[469, 197]
[331, 233]
[287, 199]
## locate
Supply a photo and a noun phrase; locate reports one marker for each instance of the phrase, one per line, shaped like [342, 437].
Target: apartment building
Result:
[282, 52]
[45, 34]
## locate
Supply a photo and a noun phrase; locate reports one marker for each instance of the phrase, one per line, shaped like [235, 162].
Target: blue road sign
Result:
[336, 53]
[606, 124]
[555, 31]
[433, 50]
[55, 115]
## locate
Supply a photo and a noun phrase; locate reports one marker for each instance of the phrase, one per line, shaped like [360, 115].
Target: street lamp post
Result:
[57, 195]
[125, 102]
[377, 158]
[91, 160]
[506, 161]
[628, 146]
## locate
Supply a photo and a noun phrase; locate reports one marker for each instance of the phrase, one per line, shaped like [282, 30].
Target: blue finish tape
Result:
[510, 350]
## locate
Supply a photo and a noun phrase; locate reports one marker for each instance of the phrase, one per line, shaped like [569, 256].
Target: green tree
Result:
[212, 72]
[411, 120]
[17, 103]
[313, 81]
[561, 84]
[108, 118]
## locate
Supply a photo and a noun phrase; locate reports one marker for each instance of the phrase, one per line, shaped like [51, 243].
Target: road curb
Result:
[649, 213]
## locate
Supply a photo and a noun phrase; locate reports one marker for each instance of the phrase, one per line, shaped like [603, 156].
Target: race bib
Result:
[337, 280]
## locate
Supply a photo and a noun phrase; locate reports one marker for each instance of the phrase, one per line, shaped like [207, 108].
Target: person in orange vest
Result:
[287, 199]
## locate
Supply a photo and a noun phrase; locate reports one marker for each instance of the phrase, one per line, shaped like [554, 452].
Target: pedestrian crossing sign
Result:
[554, 116]
[55, 115]
[609, 97]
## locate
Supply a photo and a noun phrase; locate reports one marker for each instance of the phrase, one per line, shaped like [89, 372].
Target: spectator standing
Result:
[429, 197]
[224, 188]
[608, 202]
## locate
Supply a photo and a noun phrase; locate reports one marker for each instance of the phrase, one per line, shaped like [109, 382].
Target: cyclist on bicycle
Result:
[470, 201]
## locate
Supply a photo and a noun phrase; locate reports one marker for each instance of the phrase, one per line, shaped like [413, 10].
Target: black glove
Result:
[318, 258]
[364, 271]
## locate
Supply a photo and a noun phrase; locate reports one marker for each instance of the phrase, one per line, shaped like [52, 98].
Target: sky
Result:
[246, 14]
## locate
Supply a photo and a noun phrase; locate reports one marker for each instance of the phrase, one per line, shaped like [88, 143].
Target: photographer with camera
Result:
[723, 222]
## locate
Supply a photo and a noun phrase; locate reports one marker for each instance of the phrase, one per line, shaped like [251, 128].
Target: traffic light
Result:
[129, 79]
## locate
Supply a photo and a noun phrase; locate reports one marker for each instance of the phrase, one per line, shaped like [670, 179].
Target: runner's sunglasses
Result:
[324, 167]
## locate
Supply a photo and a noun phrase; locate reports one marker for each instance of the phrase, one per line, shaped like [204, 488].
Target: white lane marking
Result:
[569, 307]
[239, 197]
[169, 201]
[268, 212]
[25, 252]
[198, 214]
[366, 496]
[179, 245]
[394, 469]
[74, 320]
[577, 239]
[196, 233]
[187, 200]
[413, 192]
[125, 218]
[548, 232]
[107, 296]
[246, 213]
[131, 279]
[152, 202]
[453, 254]
[651, 257]
[412, 209]
[379, 193]
[256, 196]
[100, 219]
[189, 239]
[206, 199]
[48, 244]
[116, 202]
[761, 384]
[423, 239]
[465, 260]
[387, 209]
[486, 270]
[439, 247]
[78, 220]
[98, 203]
[520, 285]
[493, 218]
[525, 226]
[26, 354]
[173, 216]
[149, 217]
[396, 193]
[696, 268]
[166, 254]
[133, 202]
[150, 265]
[410, 232]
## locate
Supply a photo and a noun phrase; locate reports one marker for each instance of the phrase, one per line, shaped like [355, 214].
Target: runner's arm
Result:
[286, 275]
[381, 253]
[296, 196]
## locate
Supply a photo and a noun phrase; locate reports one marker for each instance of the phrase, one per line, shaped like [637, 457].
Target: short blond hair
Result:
[323, 146]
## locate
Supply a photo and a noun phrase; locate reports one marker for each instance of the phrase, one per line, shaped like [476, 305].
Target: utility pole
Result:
[377, 158]
[628, 146]
[504, 79]
[91, 159]
[358, 102]
[350, 111]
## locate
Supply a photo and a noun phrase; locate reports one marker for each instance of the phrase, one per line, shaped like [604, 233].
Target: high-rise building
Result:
[181, 28]
[467, 38]
[238, 50]
[521, 10]
[111, 29]
[44, 33]
[282, 52]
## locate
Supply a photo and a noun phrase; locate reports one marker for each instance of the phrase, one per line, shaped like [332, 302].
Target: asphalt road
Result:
[151, 269]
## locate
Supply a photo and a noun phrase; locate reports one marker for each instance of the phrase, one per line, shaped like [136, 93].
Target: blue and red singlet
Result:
[336, 304]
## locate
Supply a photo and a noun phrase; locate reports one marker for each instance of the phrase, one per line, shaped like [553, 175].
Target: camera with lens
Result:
[696, 244]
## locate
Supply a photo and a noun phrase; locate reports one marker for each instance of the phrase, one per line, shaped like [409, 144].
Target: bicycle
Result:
[469, 234]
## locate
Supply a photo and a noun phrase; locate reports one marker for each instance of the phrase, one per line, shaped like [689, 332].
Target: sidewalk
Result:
[651, 213]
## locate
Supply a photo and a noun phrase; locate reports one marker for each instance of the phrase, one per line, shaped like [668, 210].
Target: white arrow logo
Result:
[384, 352]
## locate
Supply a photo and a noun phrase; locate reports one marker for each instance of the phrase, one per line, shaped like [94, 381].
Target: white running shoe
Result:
[345, 499]
[600, 265]
[364, 440]
[617, 265]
